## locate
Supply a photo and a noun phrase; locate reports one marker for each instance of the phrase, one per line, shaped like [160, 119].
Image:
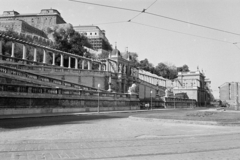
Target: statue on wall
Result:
[132, 89]
[166, 93]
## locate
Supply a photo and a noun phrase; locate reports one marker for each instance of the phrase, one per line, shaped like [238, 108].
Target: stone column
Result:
[120, 68]
[53, 59]
[107, 65]
[24, 52]
[109, 84]
[61, 65]
[44, 56]
[120, 86]
[83, 61]
[1, 43]
[35, 55]
[99, 66]
[76, 63]
[89, 65]
[69, 62]
[13, 49]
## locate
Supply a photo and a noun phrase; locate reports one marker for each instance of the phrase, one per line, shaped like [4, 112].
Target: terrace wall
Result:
[19, 99]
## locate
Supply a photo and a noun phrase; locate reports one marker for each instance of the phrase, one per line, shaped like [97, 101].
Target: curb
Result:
[68, 114]
[177, 121]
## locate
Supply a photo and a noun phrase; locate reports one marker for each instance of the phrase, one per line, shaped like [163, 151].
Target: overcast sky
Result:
[218, 58]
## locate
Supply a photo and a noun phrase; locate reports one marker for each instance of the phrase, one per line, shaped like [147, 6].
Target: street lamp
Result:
[151, 99]
[98, 97]
[174, 100]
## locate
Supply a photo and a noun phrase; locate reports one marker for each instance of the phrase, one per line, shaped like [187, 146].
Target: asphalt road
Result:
[114, 136]
[21, 123]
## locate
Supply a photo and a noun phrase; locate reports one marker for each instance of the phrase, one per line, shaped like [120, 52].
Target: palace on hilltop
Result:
[30, 23]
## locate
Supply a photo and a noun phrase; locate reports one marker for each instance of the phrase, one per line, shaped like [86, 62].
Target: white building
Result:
[95, 35]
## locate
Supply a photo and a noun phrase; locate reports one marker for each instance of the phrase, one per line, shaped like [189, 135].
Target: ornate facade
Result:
[46, 18]
[30, 23]
[125, 77]
[193, 83]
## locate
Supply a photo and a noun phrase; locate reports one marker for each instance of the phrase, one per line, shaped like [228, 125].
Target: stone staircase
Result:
[38, 79]
[59, 72]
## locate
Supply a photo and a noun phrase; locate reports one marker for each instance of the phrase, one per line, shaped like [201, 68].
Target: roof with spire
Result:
[115, 52]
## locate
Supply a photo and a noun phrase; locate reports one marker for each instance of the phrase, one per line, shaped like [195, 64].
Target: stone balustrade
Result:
[21, 73]
[54, 69]
[46, 50]
[31, 89]
[155, 80]
[171, 99]
[171, 102]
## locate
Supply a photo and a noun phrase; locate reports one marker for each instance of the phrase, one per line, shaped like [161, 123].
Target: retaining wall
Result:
[29, 103]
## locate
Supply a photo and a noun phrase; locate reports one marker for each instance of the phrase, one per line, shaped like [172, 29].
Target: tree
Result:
[66, 39]
[184, 68]
[106, 46]
[103, 55]
[166, 70]
[145, 65]
[162, 69]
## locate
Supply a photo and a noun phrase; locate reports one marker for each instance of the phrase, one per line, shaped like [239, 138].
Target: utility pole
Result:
[98, 97]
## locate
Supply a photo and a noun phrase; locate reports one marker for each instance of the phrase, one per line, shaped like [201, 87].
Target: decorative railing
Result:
[20, 73]
[176, 100]
[16, 40]
[59, 91]
[160, 87]
[51, 68]
[21, 61]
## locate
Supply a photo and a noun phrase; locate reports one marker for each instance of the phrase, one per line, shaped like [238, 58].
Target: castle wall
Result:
[37, 21]
[21, 27]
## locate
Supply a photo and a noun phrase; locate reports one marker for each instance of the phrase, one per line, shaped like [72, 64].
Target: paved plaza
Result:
[120, 139]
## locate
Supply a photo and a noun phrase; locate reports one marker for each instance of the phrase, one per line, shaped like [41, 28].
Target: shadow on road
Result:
[18, 123]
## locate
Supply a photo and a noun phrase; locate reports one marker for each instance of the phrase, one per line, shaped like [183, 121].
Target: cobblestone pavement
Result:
[121, 139]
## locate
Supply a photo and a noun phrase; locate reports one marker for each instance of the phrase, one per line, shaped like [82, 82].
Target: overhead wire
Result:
[96, 4]
[180, 32]
[129, 19]
[158, 15]
[235, 44]
[195, 24]
[142, 11]
[110, 22]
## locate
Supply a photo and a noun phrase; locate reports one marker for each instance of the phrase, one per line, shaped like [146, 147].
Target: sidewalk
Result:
[70, 114]
[216, 116]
